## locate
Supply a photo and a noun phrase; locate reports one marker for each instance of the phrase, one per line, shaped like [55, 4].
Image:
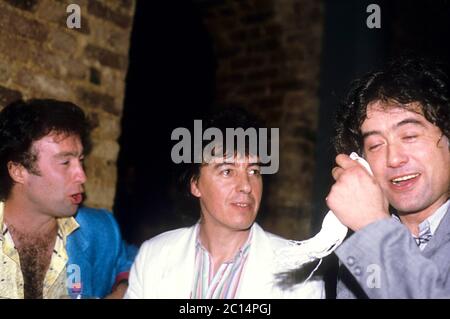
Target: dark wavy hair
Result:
[24, 122]
[228, 117]
[405, 80]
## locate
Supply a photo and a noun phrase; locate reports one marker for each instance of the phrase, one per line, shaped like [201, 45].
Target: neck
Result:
[27, 220]
[413, 220]
[222, 244]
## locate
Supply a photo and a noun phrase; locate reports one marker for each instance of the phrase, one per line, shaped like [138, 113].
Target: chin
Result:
[410, 207]
[244, 225]
[68, 212]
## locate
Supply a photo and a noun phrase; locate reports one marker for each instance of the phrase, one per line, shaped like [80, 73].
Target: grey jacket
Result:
[383, 261]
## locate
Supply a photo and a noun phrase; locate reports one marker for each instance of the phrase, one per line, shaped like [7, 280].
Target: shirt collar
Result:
[433, 221]
[241, 252]
[66, 225]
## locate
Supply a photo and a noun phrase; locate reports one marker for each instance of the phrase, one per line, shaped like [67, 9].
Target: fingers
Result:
[344, 161]
[336, 172]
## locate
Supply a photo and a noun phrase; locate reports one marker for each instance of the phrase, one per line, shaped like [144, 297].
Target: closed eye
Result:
[410, 138]
[374, 147]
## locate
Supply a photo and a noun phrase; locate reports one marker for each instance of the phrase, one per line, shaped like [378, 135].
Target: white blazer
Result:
[164, 268]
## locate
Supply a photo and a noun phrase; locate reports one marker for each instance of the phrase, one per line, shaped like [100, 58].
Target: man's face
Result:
[57, 189]
[409, 157]
[229, 193]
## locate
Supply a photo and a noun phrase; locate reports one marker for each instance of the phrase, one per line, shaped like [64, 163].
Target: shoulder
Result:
[88, 215]
[97, 222]
[168, 238]
[273, 240]
[276, 240]
[165, 249]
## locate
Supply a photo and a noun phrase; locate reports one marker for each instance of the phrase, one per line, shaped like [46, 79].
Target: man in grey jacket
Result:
[399, 120]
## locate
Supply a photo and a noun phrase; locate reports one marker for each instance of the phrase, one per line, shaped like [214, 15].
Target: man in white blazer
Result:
[226, 254]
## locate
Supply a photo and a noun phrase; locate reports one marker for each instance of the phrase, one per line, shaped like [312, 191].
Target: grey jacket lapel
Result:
[441, 235]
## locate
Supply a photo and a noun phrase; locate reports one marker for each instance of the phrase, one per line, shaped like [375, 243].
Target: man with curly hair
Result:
[49, 246]
[399, 120]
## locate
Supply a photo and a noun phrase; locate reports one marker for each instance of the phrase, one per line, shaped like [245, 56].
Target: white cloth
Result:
[331, 235]
[164, 268]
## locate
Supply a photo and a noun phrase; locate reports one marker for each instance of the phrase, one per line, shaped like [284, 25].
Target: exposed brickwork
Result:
[5, 71]
[268, 60]
[98, 100]
[41, 57]
[8, 96]
[13, 22]
[28, 5]
[63, 41]
[100, 10]
[106, 57]
[55, 11]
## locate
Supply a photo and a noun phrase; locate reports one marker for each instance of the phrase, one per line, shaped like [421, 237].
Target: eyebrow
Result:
[395, 126]
[217, 166]
[68, 154]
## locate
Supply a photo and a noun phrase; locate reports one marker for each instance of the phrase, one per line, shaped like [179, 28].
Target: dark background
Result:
[170, 83]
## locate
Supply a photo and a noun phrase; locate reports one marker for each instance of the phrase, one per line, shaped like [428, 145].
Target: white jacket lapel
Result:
[257, 277]
[177, 280]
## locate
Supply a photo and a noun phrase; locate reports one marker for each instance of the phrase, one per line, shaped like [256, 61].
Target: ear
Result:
[448, 141]
[194, 188]
[17, 172]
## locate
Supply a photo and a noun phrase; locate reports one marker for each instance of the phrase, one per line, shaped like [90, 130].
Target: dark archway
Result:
[170, 82]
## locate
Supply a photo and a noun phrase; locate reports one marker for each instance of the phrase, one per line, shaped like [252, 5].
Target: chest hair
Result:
[35, 252]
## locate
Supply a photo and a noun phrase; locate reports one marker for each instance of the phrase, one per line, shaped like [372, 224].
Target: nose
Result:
[396, 156]
[243, 184]
[79, 174]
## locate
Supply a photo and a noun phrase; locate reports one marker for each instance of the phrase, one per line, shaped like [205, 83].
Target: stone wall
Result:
[268, 55]
[40, 57]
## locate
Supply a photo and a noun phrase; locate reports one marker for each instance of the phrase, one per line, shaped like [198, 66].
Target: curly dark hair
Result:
[404, 80]
[24, 122]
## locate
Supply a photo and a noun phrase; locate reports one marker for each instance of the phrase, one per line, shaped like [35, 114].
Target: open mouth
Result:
[242, 205]
[77, 198]
[405, 179]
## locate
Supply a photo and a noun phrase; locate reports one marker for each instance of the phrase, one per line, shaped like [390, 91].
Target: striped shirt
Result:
[224, 284]
[430, 224]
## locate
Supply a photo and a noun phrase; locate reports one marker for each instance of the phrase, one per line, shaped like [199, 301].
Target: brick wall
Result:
[41, 57]
[268, 60]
